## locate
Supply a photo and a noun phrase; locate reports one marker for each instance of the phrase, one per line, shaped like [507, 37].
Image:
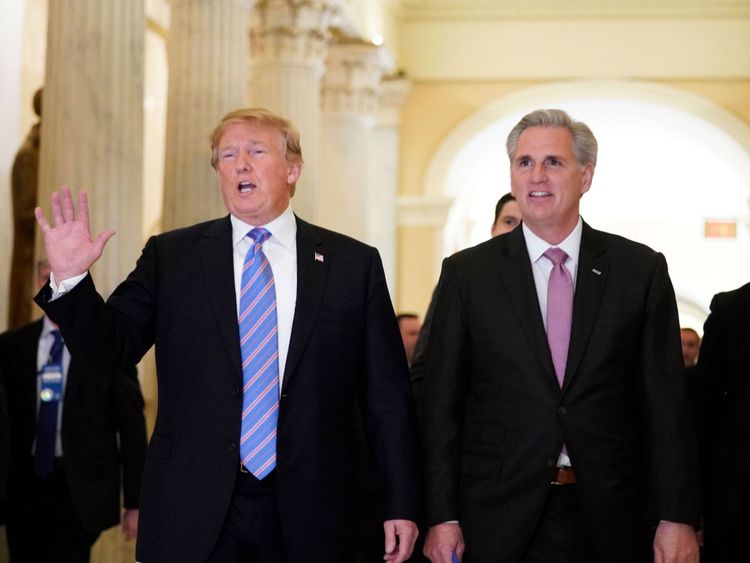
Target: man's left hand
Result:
[675, 543]
[400, 536]
[130, 523]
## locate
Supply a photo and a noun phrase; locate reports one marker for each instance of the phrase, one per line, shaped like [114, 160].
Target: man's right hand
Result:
[70, 249]
[443, 541]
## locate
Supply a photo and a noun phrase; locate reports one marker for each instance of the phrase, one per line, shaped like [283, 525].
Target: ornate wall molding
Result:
[351, 85]
[436, 10]
[291, 31]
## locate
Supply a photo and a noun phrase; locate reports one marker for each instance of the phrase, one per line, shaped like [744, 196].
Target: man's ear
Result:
[588, 176]
[294, 170]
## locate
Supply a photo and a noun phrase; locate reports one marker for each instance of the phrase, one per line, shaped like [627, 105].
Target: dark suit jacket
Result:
[98, 409]
[724, 412]
[417, 368]
[344, 342]
[4, 447]
[495, 418]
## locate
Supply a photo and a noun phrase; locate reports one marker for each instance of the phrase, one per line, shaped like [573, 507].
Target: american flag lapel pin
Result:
[319, 257]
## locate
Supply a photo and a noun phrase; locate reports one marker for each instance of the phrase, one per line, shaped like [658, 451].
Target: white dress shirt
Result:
[542, 267]
[42, 355]
[281, 250]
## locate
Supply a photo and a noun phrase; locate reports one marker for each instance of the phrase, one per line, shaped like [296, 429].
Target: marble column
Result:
[207, 57]
[288, 49]
[382, 177]
[351, 89]
[92, 136]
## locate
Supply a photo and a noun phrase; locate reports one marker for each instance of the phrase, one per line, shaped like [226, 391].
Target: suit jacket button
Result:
[232, 446]
[562, 410]
[551, 463]
[236, 392]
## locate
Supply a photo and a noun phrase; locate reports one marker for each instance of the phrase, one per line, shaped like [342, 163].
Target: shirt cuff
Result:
[64, 286]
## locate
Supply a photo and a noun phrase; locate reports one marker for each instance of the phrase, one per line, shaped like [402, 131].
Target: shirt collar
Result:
[538, 246]
[47, 326]
[283, 229]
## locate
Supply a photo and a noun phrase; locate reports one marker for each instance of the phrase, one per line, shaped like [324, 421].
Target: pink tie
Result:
[559, 310]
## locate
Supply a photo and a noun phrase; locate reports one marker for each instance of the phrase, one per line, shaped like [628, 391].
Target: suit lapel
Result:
[215, 252]
[313, 261]
[591, 279]
[518, 279]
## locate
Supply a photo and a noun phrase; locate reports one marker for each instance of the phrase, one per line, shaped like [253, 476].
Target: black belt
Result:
[250, 481]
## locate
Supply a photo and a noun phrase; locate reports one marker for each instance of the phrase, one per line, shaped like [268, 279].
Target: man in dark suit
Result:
[723, 422]
[507, 217]
[555, 420]
[97, 448]
[4, 448]
[691, 344]
[329, 336]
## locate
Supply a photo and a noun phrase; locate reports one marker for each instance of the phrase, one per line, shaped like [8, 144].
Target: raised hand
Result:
[70, 249]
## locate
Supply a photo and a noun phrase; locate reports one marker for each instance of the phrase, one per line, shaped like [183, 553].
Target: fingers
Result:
[400, 536]
[83, 208]
[66, 204]
[57, 215]
[442, 542]
[102, 238]
[62, 206]
[390, 537]
[41, 219]
[63, 210]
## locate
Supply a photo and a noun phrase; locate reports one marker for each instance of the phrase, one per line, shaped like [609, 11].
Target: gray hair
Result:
[584, 143]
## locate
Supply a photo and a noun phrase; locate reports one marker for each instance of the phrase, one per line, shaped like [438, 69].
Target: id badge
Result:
[50, 388]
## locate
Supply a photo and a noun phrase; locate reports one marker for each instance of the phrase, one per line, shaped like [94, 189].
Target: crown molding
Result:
[440, 10]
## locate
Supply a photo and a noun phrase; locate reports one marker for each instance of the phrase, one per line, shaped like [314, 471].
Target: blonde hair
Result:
[263, 117]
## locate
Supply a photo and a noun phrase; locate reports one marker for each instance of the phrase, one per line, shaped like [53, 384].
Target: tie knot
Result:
[58, 342]
[259, 235]
[556, 255]
[55, 353]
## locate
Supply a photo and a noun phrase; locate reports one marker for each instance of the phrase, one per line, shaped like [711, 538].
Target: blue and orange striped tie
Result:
[260, 360]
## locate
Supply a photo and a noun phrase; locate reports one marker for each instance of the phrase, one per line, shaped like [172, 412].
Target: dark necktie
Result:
[260, 360]
[559, 310]
[50, 391]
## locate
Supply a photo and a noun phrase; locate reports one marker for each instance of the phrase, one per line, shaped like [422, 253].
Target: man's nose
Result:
[243, 163]
[538, 173]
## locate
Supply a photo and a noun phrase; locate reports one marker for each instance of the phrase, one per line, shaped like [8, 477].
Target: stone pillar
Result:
[288, 50]
[351, 89]
[92, 138]
[421, 222]
[382, 177]
[207, 59]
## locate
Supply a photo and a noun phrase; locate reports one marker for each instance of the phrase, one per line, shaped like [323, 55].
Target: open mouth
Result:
[245, 187]
[540, 194]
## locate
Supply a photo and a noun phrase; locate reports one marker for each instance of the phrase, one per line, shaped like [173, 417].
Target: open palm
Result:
[69, 246]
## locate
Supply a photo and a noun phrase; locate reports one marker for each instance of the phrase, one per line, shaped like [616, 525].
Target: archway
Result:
[668, 162]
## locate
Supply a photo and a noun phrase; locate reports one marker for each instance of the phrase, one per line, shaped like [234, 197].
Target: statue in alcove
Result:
[24, 187]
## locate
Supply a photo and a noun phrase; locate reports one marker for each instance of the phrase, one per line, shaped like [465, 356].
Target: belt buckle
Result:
[563, 476]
